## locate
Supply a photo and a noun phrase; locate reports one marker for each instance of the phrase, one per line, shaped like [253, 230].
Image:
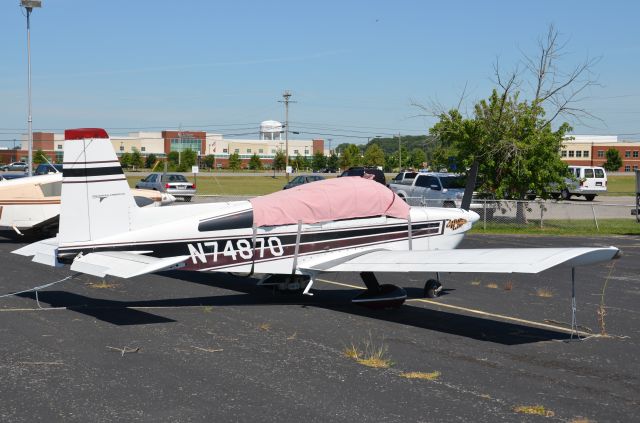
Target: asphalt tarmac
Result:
[181, 347]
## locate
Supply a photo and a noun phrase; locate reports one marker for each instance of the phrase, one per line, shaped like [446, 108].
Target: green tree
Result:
[374, 156]
[234, 161]
[39, 157]
[125, 160]
[298, 162]
[417, 158]
[279, 160]
[209, 161]
[319, 161]
[333, 162]
[255, 163]
[188, 158]
[350, 156]
[136, 159]
[614, 161]
[150, 161]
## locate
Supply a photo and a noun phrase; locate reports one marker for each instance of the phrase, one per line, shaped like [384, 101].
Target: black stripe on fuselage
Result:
[92, 171]
[325, 238]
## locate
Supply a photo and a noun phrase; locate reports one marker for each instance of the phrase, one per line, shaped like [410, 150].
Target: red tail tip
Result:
[84, 133]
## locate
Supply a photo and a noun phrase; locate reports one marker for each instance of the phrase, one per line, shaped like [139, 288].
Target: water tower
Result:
[271, 130]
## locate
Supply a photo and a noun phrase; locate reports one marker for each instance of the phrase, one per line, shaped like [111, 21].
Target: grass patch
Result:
[421, 375]
[102, 285]
[492, 285]
[544, 292]
[621, 185]
[534, 409]
[475, 282]
[370, 355]
[265, 326]
[207, 309]
[232, 185]
[563, 227]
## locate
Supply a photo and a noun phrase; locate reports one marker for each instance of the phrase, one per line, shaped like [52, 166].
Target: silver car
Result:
[15, 166]
[171, 183]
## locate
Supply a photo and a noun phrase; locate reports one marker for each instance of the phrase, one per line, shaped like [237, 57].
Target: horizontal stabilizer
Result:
[44, 252]
[493, 260]
[123, 264]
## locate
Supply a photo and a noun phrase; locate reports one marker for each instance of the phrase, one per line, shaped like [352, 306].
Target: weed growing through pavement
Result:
[534, 409]
[207, 309]
[371, 354]
[102, 285]
[492, 285]
[421, 375]
[544, 292]
[508, 286]
[265, 326]
[475, 282]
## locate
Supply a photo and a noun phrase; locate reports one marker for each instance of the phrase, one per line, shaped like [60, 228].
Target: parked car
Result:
[378, 175]
[171, 183]
[302, 179]
[587, 181]
[440, 189]
[14, 166]
[45, 168]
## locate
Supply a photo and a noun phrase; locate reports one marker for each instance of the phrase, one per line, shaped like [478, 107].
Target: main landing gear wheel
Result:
[378, 296]
[432, 288]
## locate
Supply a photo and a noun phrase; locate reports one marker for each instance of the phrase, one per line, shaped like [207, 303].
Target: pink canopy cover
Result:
[331, 199]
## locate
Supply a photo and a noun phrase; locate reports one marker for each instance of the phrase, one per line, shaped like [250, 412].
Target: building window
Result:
[635, 167]
[273, 151]
[563, 153]
[635, 154]
[225, 150]
[585, 153]
[59, 146]
[627, 153]
[578, 153]
[237, 150]
[295, 152]
[248, 150]
[143, 148]
[261, 151]
[600, 154]
[122, 148]
[627, 168]
[185, 142]
[571, 153]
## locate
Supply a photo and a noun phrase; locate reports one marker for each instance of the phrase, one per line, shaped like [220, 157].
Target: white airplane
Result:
[346, 224]
[32, 204]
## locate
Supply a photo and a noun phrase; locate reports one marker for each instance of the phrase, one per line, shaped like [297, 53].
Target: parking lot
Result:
[191, 347]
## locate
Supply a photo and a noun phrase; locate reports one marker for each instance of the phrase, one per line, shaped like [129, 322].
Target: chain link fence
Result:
[512, 215]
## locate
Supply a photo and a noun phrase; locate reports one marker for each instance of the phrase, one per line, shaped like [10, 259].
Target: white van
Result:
[588, 181]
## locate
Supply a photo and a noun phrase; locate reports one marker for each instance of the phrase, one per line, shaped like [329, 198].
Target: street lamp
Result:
[29, 5]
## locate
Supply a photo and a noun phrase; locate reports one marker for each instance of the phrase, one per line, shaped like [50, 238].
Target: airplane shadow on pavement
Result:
[129, 312]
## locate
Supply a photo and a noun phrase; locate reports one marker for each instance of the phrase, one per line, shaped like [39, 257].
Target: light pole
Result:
[286, 95]
[29, 5]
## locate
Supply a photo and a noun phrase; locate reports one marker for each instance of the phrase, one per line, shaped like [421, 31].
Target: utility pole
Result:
[286, 95]
[399, 153]
[29, 5]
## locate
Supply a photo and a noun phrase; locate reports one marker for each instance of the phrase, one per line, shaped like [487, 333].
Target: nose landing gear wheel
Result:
[432, 289]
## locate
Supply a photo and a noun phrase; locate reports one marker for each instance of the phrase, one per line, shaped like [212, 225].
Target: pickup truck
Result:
[439, 189]
[405, 177]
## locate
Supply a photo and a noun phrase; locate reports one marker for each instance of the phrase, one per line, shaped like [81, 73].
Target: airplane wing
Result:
[493, 260]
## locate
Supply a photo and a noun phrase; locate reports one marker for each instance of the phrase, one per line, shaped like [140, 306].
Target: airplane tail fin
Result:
[96, 200]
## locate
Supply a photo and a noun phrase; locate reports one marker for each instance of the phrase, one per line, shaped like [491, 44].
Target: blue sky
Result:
[354, 67]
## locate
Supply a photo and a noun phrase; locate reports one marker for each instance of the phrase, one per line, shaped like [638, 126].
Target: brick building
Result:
[591, 150]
